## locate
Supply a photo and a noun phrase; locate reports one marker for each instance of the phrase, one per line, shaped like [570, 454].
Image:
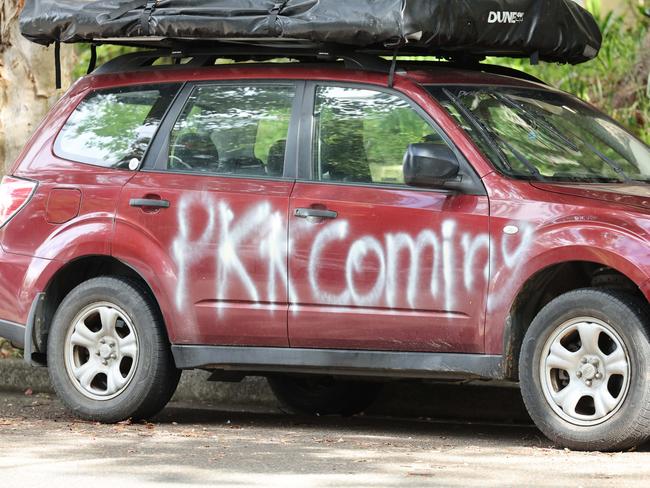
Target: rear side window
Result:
[112, 127]
[233, 130]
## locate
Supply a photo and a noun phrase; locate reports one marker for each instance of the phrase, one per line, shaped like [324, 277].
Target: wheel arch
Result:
[546, 284]
[72, 274]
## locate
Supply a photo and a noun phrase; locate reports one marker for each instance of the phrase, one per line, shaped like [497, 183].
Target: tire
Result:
[585, 370]
[109, 373]
[323, 395]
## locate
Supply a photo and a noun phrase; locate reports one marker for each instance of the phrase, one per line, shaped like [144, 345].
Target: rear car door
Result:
[209, 212]
[375, 264]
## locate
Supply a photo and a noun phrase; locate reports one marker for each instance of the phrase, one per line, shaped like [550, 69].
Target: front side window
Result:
[362, 135]
[112, 127]
[233, 130]
[546, 135]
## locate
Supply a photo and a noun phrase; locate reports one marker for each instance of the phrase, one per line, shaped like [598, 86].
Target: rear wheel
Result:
[323, 395]
[108, 354]
[585, 370]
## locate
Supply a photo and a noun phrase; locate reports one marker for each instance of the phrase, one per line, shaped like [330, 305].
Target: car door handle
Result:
[315, 213]
[149, 202]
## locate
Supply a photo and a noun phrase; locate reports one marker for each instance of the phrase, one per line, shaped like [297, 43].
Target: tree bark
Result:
[27, 88]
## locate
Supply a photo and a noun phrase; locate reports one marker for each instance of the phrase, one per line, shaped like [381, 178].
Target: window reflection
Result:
[362, 135]
[547, 135]
[111, 127]
[239, 130]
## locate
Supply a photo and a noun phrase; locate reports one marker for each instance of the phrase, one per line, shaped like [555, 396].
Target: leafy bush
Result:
[612, 81]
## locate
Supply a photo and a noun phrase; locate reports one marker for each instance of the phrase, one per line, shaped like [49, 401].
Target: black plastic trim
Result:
[387, 364]
[148, 202]
[33, 320]
[290, 170]
[158, 145]
[306, 129]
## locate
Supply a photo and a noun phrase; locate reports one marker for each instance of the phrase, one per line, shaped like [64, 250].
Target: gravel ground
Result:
[197, 445]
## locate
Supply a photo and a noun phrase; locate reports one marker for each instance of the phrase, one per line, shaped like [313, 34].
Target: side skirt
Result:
[338, 362]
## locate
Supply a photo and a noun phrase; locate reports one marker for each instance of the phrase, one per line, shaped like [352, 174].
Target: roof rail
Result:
[206, 56]
[496, 69]
[200, 55]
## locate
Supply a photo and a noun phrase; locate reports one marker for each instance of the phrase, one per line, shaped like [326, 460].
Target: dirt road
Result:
[41, 445]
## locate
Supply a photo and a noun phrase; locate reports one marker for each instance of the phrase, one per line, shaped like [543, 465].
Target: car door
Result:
[375, 264]
[211, 205]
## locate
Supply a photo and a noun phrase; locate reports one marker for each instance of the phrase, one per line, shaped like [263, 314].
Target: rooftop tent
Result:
[551, 30]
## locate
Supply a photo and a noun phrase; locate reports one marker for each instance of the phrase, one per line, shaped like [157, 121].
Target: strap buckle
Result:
[274, 12]
[146, 15]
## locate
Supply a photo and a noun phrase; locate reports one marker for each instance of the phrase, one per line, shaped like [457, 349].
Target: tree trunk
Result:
[27, 88]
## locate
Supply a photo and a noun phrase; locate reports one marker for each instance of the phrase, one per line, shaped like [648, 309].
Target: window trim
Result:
[306, 164]
[144, 87]
[156, 160]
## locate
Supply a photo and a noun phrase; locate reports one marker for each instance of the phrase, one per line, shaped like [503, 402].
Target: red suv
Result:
[330, 226]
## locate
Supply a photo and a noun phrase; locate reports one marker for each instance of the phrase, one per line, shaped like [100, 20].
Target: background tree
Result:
[618, 80]
[27, 88]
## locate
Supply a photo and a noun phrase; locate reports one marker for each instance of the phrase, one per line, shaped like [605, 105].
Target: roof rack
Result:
[201, 56]
[206, 56]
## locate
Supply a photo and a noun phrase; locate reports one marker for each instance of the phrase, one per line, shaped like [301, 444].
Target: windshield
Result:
[546, 135]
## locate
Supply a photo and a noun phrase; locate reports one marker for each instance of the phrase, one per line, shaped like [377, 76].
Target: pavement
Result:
[194, 444]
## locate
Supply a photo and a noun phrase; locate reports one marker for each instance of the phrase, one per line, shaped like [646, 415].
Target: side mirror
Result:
[430, 165]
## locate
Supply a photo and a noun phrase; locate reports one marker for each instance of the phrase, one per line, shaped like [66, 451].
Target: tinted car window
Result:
[362, 135]
[235, 130]
[542, 134]
[111, 127]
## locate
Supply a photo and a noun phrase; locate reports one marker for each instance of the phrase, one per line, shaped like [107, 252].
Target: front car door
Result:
[375, 264]
[212, 203]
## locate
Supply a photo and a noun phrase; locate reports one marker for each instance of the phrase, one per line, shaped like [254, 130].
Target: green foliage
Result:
[605, 82]
[104, 54]
[8, 351]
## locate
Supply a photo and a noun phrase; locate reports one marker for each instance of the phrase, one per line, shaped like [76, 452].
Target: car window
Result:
[112, 127]
[233, 130]
[361, 135]
[546, 135]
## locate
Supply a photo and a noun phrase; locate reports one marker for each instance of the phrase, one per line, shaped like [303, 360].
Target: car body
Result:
[260, 273]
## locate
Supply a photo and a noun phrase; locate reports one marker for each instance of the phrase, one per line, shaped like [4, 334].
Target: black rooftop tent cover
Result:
[550, 30]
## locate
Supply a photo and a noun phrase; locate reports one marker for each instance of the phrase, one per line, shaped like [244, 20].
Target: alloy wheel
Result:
[585, 371]
[101, 351]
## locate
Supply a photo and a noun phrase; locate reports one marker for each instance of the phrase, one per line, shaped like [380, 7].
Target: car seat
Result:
[275, 160]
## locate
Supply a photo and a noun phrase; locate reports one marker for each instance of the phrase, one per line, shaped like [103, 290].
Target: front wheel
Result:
[108, 354]
[585, 370]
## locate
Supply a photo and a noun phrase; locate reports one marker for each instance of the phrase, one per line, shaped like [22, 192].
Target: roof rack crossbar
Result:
[200, 56]
[203, 56]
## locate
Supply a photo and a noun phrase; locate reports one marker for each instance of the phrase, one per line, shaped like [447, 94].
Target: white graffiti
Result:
[184, 254]
[440, 263]
[395, 243]
[222, 233]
